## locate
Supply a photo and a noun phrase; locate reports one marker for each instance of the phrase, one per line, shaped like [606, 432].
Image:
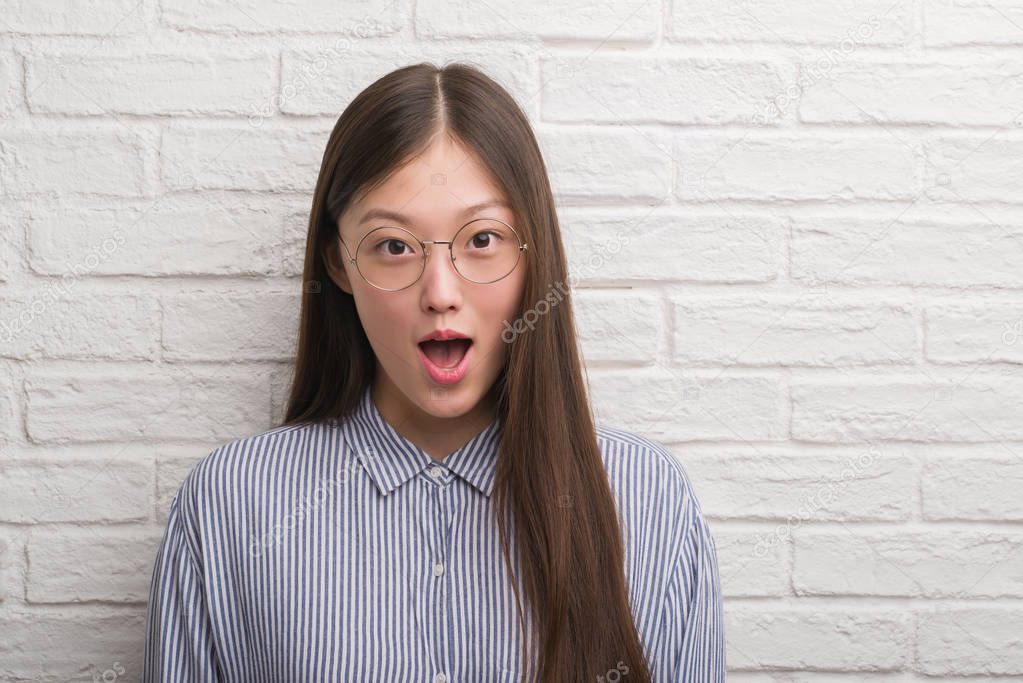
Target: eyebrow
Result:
[386, 214]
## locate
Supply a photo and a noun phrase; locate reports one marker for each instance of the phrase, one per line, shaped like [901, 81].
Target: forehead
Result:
[446, 184]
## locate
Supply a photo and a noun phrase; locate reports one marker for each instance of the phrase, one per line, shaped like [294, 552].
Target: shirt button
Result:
[438, 569]
[440, 678]
[437, 472]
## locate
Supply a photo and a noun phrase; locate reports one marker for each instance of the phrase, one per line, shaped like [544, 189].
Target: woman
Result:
[438, 504]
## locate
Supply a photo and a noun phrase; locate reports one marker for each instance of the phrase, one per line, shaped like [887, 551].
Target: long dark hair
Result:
[551, 487]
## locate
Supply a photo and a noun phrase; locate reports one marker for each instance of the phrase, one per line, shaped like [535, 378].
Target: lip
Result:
[444, 335]
[446, 375]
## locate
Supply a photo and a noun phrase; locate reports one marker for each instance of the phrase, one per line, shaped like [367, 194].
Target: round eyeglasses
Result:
[484, 250]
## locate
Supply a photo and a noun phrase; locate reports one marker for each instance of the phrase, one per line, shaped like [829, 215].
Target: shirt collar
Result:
[391, 460]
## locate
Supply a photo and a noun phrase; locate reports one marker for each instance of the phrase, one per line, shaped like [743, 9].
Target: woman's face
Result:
[435, 195]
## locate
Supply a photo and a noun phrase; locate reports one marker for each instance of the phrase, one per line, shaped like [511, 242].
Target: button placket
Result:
[440, 522]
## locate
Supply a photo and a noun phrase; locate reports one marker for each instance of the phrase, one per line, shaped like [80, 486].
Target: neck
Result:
[437, 436]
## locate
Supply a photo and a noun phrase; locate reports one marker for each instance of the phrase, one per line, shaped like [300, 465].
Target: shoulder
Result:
[647, 479]
[666, 531]
[642, 460]
[216, 476]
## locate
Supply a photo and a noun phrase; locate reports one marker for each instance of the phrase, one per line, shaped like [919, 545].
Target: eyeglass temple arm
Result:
[351, 259]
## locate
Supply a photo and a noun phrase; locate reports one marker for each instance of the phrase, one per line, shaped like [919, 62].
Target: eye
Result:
[392, 246]
[484, 239]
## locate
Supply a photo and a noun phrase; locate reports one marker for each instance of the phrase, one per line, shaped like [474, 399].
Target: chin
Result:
[450, 401]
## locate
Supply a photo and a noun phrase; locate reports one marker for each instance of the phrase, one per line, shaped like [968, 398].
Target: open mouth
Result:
[445, 354]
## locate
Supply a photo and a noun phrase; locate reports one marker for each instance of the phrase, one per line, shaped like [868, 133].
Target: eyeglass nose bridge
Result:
[451, 252]
[426, 246]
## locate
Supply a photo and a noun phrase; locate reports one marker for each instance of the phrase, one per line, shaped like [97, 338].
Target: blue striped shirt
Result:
[341, 551]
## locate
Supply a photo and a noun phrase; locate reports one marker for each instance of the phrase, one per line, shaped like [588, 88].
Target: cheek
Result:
[381, 316]
[500, 306]
[511, 298]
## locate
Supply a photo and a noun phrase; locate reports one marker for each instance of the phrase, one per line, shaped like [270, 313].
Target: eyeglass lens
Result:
[484, 251]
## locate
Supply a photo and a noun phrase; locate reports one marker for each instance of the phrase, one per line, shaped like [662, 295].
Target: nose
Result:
[441, 285]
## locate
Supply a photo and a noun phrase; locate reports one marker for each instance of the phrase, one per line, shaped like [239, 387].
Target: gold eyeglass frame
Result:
[426, 253]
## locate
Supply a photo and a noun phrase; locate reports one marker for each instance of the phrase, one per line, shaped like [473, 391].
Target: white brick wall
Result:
[795, 231]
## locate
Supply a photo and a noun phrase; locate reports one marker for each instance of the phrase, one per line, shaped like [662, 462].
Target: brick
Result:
[230, 326]
[976, 168]
[847, 24]
[616, 327]
[906, 252]
[603, 164]
[75, 565]
[78, 491]
[71, 18]
[48, 323]
[289, 258]
[677, 407]
[11, 570]
[28, 159]
[658, 246]
[305, 90]
[866, 484]
[12, 222]
[932, 564]
[772, 167]
[366, 19]
[10, 396]
[161, 238]
[973, 487]
[245, 158]
[985, 93]
[63, 645]
[761, 331]
[748, 568]
[281, 379]
[966, 409]
[632, 20]
[100, 404]
[659, 88]
[164, 83]
[970, 641]
[975, 333]
[819, 639]
[10, 68]
[972, 22]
